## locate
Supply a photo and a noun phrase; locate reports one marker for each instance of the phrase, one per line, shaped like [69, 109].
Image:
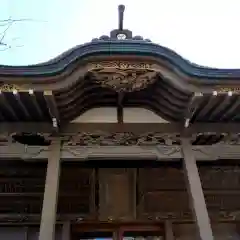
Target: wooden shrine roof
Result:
[99, 47]
[109, 71]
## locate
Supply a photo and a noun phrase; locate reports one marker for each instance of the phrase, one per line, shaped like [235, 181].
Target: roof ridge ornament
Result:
[120, 33]
[121, 9]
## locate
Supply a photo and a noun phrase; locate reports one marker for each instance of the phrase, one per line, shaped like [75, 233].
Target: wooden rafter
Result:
[52, 107]
[23, 108]
[224, 103]
[5, 105]
[209, 105]
[36, 105]
[231, 111]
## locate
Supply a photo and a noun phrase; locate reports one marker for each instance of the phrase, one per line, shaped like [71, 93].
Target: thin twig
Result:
[7, 24]
[4, 33]
[1, 50]
[16, 20]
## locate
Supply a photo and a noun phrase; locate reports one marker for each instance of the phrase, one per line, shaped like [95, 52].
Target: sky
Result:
[205, 32]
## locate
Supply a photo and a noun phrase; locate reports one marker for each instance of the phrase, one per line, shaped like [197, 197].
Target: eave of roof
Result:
[122, 47]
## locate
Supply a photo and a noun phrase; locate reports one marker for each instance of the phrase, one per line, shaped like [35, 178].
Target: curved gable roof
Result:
[111, 45]
[120, 47]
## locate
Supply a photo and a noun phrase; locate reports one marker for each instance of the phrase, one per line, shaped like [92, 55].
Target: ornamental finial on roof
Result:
[120, 33]
[121, 9]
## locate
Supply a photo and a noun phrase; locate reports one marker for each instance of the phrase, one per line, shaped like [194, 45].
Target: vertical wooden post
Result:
[117, 235]
[195, 191]
[169, 230]
[48, 219]
[26, 233]
[66, 231]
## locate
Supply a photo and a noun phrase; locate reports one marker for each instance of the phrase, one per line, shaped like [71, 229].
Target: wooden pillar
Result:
[26, 233]
[117, 235]
[169, 231]
[48, 219]
[66, 231]
[195, 191]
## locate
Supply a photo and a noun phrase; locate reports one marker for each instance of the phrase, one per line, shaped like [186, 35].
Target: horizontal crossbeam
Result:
[136, 128]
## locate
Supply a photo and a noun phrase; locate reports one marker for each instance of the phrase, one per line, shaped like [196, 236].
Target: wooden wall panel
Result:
[221, 231]
[116, 194]
[162, 192]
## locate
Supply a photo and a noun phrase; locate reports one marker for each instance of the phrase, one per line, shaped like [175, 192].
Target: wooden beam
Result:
[19, 218]
[195, 192]
[143, 128]
[216, 192]
[30, 127]
[116, 152]
[135, 128]
[48, 219]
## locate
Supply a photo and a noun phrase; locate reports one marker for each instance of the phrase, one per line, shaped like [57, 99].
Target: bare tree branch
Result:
[7, 24]
[4, 49]
[3, 34]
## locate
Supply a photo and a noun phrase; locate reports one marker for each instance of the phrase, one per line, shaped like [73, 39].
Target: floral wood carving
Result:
[123, 76]
[117, 139]
[9, 88]
[100, 138]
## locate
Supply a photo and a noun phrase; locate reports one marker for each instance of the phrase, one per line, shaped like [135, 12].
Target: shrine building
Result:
[119, 138]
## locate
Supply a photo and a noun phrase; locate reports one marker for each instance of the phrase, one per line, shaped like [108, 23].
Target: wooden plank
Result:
[116, 194]
[136, 128]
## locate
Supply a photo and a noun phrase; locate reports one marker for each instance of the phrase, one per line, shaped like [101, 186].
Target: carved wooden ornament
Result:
[123, 76]
[10, 88]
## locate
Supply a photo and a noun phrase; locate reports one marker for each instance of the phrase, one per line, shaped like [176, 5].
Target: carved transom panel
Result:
[123, 76]
[120, 139]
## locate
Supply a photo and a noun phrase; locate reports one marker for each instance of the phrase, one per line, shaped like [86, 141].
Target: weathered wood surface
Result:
[116, 194]
[161, 192]
[22, 188]
[221, 231]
